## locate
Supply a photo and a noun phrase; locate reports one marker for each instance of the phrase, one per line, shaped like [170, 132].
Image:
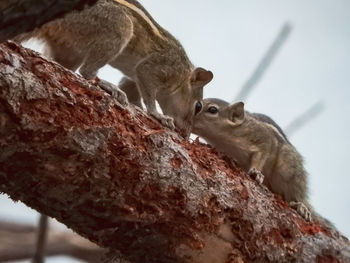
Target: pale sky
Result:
[229, 37]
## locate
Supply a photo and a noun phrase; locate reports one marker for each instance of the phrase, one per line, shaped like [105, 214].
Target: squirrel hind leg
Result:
[64, 55]
[131, 90]
[256, 175]
[114, 91]
[302, 210]
[107, 47]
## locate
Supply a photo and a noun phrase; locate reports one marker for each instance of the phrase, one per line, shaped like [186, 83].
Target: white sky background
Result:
[229, 37]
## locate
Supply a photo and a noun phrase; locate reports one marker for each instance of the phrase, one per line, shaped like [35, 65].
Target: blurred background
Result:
[309, 72]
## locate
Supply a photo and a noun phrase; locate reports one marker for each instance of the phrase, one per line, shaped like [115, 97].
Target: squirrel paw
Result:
[256, 175]
[120, 96]
[165, 120]
[302, 210]
[114, 91]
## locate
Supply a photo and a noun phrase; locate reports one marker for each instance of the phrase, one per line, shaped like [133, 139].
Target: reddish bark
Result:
[115, 176]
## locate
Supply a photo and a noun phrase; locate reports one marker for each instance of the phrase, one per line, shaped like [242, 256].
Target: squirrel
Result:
[122, 34]
[258, 145]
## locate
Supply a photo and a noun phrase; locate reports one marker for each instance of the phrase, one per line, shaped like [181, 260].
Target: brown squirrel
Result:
[258, 145]
[123, 34]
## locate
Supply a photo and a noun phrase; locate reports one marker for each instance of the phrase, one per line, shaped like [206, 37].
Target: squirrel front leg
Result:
[257, 164]
[149, 85]
[131, 90]
[149, 98]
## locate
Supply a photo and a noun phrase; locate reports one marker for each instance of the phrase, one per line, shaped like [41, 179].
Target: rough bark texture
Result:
[17, 242]
[115, 176]
[19, 16]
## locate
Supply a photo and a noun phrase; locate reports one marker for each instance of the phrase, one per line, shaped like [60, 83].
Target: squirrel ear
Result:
[236, 112]
[201, 77]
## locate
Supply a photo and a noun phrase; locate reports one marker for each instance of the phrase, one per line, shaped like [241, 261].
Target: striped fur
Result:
[144, 14]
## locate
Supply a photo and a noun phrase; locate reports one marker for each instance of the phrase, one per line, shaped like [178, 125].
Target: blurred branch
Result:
[41, 239]
[18, 242]
[304, 118]
[20, 16]
[265, 62]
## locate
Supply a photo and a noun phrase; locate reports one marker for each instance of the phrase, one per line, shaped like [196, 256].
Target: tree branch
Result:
[115, 176]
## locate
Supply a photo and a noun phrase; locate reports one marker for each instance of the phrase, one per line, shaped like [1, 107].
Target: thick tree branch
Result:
[17, 242]
[113, 175]
[19, 16]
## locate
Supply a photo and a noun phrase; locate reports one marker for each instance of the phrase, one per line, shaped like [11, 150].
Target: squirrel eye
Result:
[213, 110]
[198, 107]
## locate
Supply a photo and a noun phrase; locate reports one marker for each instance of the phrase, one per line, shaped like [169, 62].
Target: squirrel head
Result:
[180, 104]
[213, 116]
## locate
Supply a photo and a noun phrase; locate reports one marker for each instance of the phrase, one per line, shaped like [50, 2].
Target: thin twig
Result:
[265, 62]
[41, 239]
[305, 118]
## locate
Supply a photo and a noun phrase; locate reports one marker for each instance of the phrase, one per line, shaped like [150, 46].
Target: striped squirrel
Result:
[123, 34]
[258, 145]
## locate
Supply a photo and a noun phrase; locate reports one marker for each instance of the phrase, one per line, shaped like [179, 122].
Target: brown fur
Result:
[111, 32]
[257, 143]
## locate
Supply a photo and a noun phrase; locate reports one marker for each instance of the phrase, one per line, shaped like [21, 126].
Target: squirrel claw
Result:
[165, 120]
[120, 96]
[114, 91]
[256, 175]
[302, 210]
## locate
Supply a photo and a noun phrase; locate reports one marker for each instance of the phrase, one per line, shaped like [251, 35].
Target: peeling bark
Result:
[115, 176]
[20, 16]
[17, 242]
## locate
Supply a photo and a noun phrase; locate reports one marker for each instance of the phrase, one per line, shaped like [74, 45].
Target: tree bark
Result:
[115, 176]
[17, 242]
[20, 16]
